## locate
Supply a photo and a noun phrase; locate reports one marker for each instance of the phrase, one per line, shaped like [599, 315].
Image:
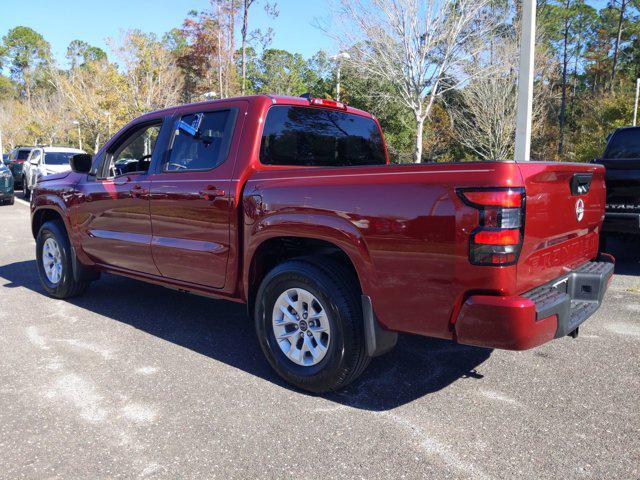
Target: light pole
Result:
[635, 108]
[108, 114]
[525, 81]
[338, 59]
[77, 123]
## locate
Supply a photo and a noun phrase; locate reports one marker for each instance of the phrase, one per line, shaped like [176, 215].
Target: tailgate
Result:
[623, 185]
[563, 215]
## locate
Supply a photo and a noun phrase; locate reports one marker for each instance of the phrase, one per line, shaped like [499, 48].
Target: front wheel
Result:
[309, 323]
[53, 256]
[26, 193]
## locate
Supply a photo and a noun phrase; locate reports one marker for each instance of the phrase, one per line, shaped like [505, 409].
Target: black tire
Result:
[336, 289]
[603, 242]
[26, 193]
[67, 286]
[11, 201]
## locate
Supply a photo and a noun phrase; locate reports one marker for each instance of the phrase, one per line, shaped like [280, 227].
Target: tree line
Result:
[440, 75]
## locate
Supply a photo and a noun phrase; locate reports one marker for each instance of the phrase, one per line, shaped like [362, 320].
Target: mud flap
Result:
[377, 339]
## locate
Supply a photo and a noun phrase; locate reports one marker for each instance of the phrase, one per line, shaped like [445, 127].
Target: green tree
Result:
[7, 88]
[26, 50]
[280, 72]
[79, 53]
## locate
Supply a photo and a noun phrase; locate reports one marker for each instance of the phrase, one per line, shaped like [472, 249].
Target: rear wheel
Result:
[54, 259]
[309, 323]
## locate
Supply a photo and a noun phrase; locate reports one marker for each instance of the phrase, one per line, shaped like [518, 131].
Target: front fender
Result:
[50, 202]
[318, 226]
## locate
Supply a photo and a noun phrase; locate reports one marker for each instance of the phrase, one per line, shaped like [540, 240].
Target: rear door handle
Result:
[210, 193]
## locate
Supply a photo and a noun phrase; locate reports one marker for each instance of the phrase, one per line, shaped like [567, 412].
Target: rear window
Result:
[305, 136]
[57, 158]
[625, 144]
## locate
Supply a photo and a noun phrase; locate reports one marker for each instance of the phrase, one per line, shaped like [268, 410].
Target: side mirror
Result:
[81, 162]
[35, 161]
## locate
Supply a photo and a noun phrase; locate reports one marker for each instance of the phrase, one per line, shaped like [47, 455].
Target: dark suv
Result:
[17, 157]
[621, 159]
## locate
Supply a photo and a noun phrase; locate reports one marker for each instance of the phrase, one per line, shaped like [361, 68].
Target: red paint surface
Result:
[404, 228]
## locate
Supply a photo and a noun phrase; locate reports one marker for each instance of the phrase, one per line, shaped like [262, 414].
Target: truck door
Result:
[113, 217]
[192, 194]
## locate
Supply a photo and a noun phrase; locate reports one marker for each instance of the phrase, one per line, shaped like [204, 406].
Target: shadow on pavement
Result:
[627, 254]
[221, 330]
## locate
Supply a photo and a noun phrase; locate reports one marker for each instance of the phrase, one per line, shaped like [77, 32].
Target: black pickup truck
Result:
[621, 159]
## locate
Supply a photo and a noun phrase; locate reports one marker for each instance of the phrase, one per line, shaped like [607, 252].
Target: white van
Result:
[45, 161]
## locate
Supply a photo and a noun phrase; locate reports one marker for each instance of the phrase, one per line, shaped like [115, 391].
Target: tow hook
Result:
[574, 333]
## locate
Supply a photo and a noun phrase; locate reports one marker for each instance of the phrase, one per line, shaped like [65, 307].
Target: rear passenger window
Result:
[320, 137]
[201, 141]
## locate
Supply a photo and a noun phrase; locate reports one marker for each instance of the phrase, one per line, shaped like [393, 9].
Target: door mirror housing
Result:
[35, 161]
[81, 162]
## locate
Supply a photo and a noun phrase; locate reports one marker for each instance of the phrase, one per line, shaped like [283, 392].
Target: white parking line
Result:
[24, 202]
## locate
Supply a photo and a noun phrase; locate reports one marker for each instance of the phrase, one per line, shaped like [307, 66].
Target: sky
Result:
[61, 21]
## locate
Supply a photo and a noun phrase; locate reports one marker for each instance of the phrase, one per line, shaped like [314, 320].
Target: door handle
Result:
[210, 193]
[138, 191]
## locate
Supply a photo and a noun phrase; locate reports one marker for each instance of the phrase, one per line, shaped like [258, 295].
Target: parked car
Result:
[290, 206]
[621, 158]
[17, 157]
[6, 185]
[45, 161]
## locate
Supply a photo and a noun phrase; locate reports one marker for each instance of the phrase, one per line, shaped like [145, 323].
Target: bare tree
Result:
[616, 48]
[153, 78]
[265, 38]
[88, 93]
[417, 46]
[484, 117]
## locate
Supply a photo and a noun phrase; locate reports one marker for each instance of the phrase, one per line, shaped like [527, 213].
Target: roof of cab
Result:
[62, 149]
[274, 99]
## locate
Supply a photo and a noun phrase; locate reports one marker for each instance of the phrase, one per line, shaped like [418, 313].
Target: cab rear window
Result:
[306, 136]
[625, 144]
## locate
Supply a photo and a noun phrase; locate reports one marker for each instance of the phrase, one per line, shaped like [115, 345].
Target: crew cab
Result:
[44, 161]
[290, 205]
[622, 161]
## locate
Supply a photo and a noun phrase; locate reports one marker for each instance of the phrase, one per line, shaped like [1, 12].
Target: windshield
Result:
[625, 145]
[23, 154]
[58, 158]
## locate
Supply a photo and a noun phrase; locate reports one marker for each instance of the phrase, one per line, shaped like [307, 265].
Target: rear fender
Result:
[329, 228]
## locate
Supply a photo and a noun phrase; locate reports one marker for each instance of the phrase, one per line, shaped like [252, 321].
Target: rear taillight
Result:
[498, 238]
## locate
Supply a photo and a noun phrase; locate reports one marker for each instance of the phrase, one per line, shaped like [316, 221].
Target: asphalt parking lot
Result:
[137, 381]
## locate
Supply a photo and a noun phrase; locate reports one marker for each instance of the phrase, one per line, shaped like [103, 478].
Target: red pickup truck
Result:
[290, 205]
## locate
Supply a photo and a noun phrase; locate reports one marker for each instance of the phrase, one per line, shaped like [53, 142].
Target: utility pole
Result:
[77, 123]
[635, 108]
[525, 81]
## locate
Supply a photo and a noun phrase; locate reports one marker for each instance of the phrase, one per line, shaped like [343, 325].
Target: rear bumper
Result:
[621, 222]
[538, 316]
